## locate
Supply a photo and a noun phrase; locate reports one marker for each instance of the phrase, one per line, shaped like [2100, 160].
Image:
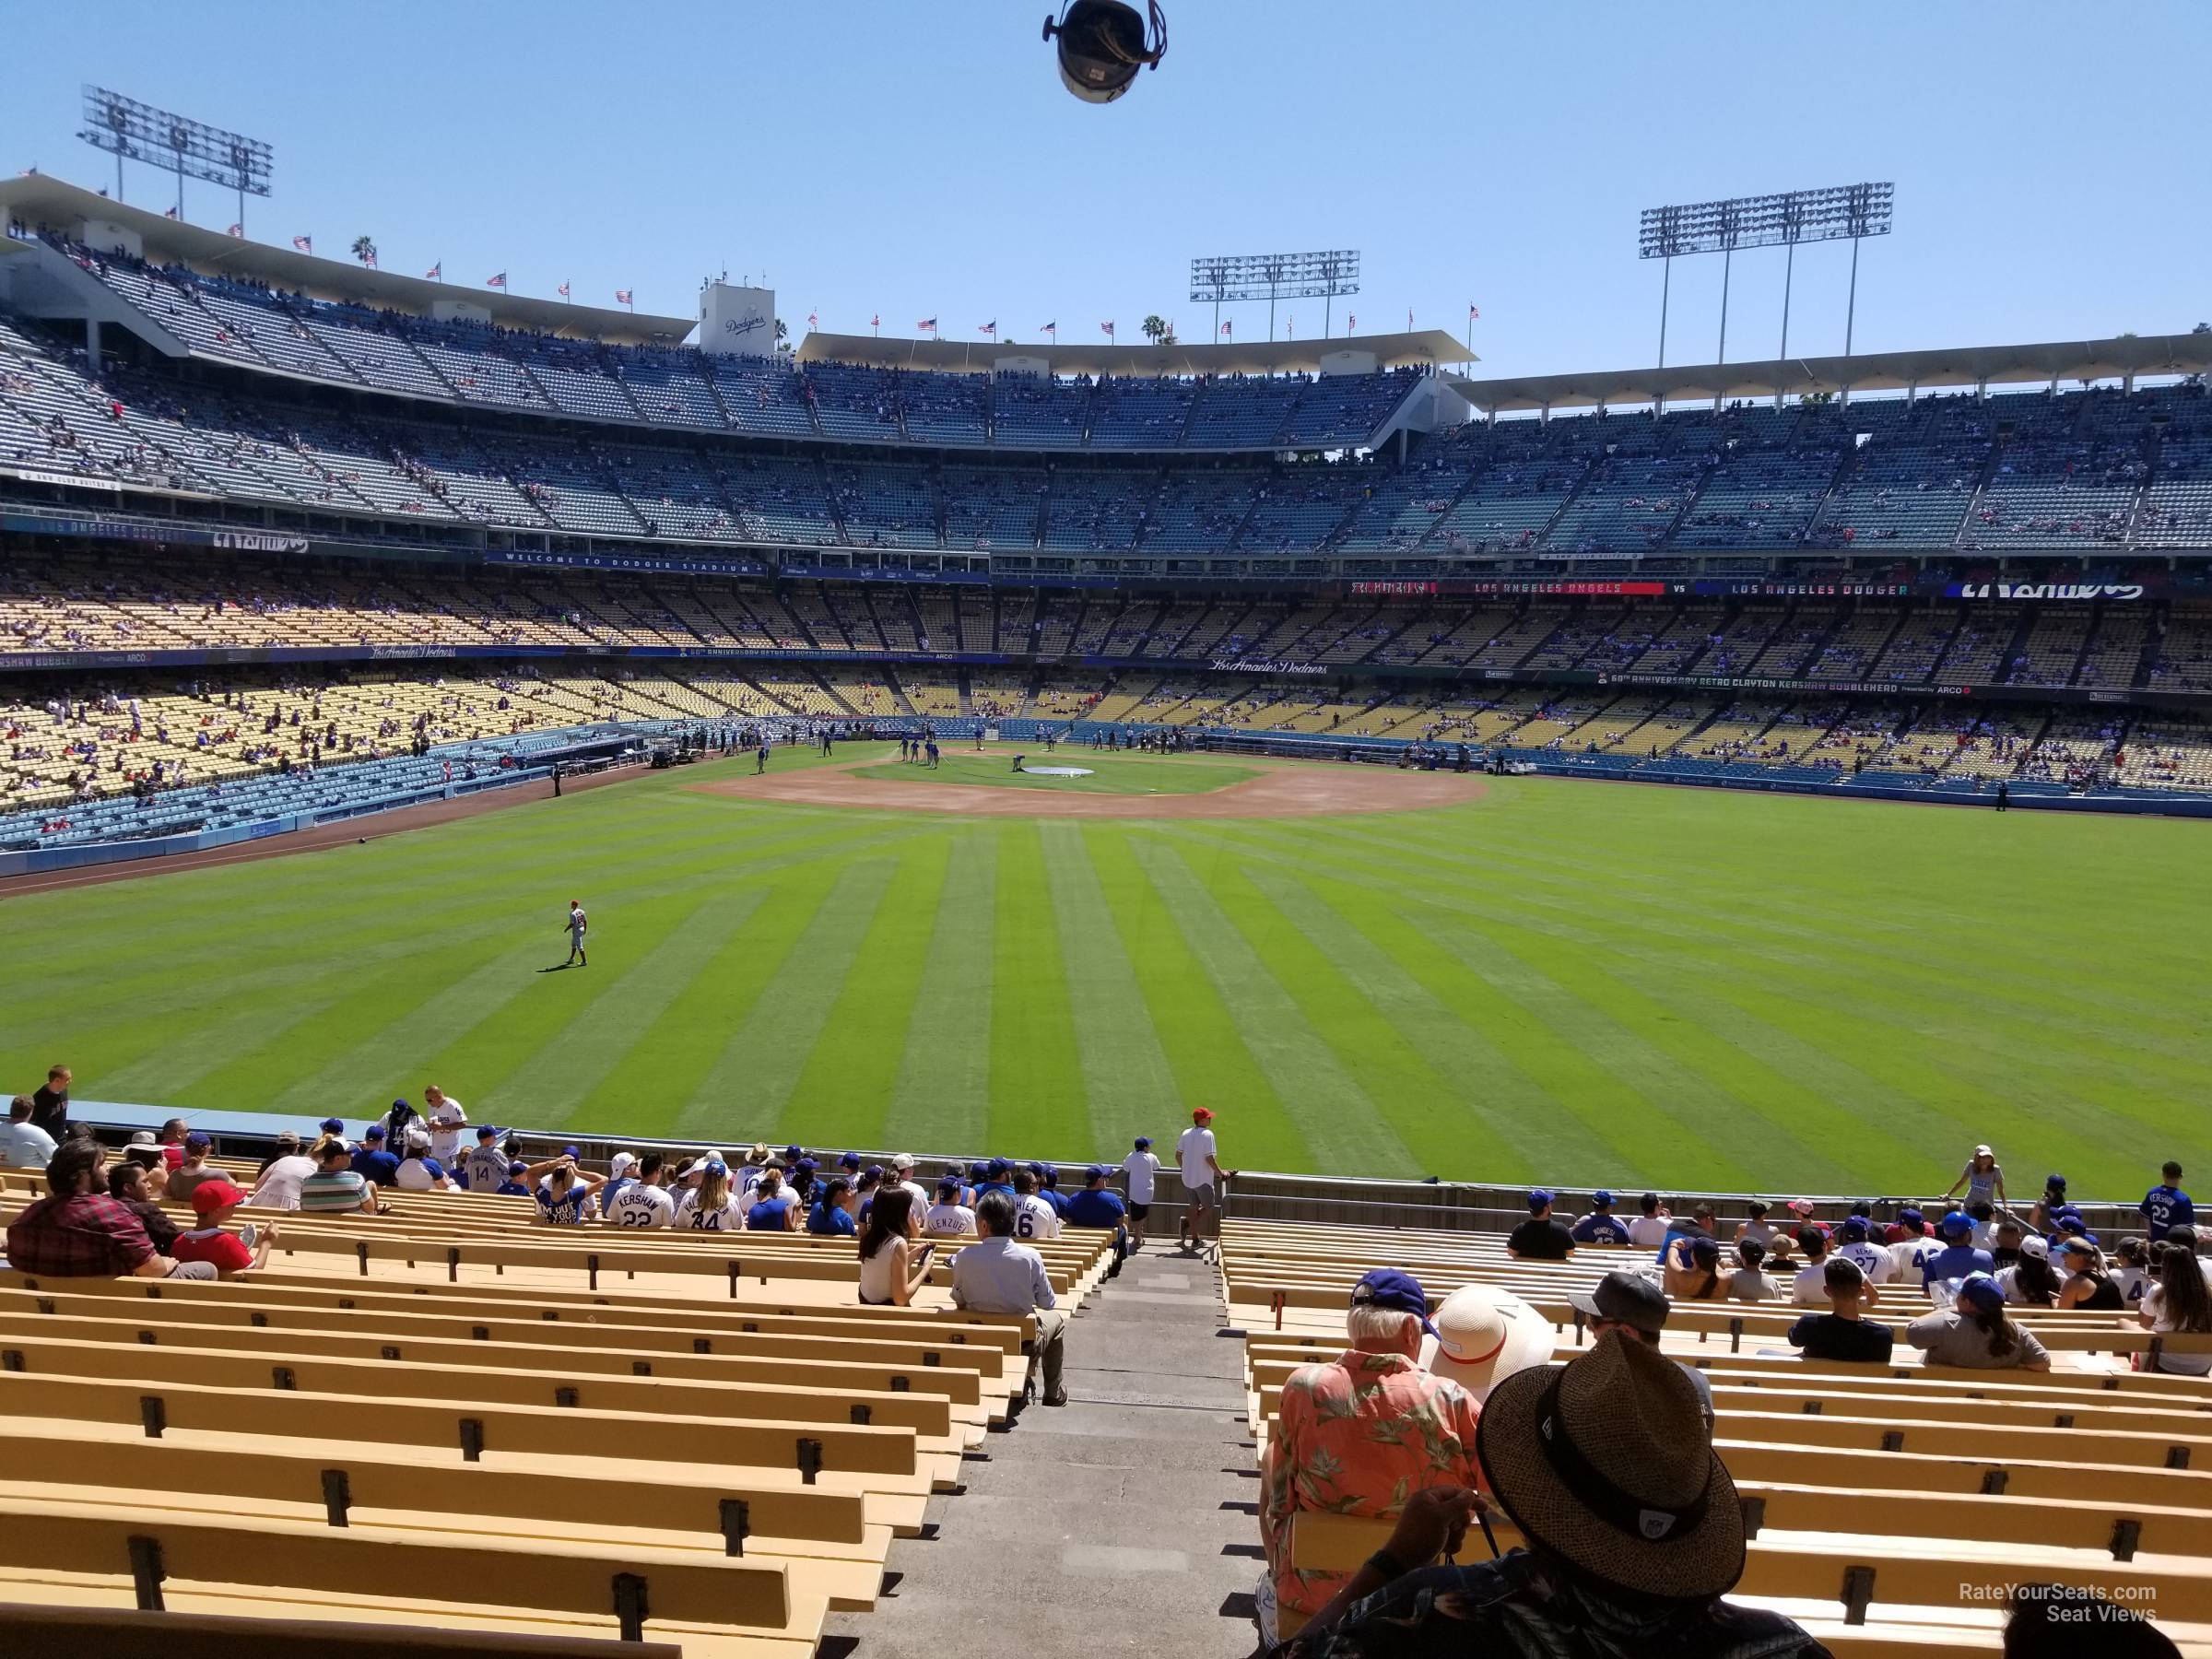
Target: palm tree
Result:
[364, 250]
[1157, 330]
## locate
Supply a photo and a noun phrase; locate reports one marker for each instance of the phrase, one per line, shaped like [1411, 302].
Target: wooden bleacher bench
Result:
[1839, 1585]
[744, 1435]
[1892, 1504]
[35, 1632]
[631, 1594]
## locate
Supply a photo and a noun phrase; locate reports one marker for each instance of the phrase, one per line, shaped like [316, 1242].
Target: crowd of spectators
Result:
[1483, 1424]
[1606, 1465]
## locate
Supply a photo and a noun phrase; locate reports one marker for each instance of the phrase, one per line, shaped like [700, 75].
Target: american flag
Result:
[306, 245]
[499, 282]
[987, 328]
[238, 230]
[562, 291]
[814, 319]
[928, 322]
[1473, 313]
[1051, 328]
[1108, 327]
[436, 273]
[1225, 330]
[621, 295]
[1350, 321]
[876, 321]
[169, 213]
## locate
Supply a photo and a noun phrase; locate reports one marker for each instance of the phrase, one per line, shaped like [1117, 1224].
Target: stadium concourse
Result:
[510, 1396]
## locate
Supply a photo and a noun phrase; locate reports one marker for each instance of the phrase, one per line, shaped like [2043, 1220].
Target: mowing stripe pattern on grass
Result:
[1559, 982]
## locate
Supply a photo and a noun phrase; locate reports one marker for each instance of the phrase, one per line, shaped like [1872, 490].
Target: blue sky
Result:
[870, 157]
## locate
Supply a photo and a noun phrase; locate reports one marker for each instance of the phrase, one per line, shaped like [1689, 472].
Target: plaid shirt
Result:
[1358, 1437]
[87, 1236]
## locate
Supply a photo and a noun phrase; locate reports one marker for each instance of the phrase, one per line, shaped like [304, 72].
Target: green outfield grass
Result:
[1117, 773]
[1573, 982]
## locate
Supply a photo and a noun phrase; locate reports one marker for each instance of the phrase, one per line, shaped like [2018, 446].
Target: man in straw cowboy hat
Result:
[1632, 1527]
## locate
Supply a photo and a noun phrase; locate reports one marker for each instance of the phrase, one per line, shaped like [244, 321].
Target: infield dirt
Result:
[1283, 789]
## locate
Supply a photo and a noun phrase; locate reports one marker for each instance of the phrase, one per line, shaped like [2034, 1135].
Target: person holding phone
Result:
[892, 1269]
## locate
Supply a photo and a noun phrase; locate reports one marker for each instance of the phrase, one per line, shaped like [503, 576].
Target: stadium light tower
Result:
[1268, 277]
[124, 127]
[1831, 213]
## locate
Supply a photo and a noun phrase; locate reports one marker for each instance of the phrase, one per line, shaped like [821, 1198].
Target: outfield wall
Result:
[1257, 1194]
[1710, 775]
[39, 861]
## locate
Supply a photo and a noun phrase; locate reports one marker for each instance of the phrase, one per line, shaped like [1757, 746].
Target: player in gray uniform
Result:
[576, 927]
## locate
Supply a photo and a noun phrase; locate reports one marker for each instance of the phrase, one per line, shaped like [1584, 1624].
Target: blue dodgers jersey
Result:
[768, 1215]
[2165, 1206]
[1087, 1208]
[1594, 1229]
[568, 1209]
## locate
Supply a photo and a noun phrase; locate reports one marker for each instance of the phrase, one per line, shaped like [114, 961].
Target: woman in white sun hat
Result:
[1484, 1336]
[1984, 1179]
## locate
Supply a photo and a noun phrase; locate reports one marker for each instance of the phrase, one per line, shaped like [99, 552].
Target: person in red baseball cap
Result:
[231, 1254]
[1203, 1179]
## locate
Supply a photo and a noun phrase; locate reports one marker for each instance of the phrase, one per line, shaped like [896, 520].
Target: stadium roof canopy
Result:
[2127, 358]
[37, 199]
[1430, 346]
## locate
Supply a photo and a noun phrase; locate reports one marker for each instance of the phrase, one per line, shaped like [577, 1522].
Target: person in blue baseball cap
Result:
[484, 1168]
[1393, 1287]
[1601, 1226]
[375, 1162]
[1540, 1238]
[1096, 1206]
[1048, 1189]
[1356, 1434]
[1973, 1331]
[1140, 1169]
[1950, 1267]
[850, 1162]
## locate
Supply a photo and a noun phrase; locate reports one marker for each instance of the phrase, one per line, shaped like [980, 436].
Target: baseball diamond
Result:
[1363, 970]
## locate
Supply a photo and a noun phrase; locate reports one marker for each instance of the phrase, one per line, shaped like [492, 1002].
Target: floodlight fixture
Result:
[1269, 277]
[128, 129]
[1835, 213]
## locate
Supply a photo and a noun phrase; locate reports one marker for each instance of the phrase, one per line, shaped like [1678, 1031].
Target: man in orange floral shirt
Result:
[1359, 1435]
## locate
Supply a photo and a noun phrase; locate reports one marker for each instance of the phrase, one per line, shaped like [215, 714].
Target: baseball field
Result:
[1512, 979]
